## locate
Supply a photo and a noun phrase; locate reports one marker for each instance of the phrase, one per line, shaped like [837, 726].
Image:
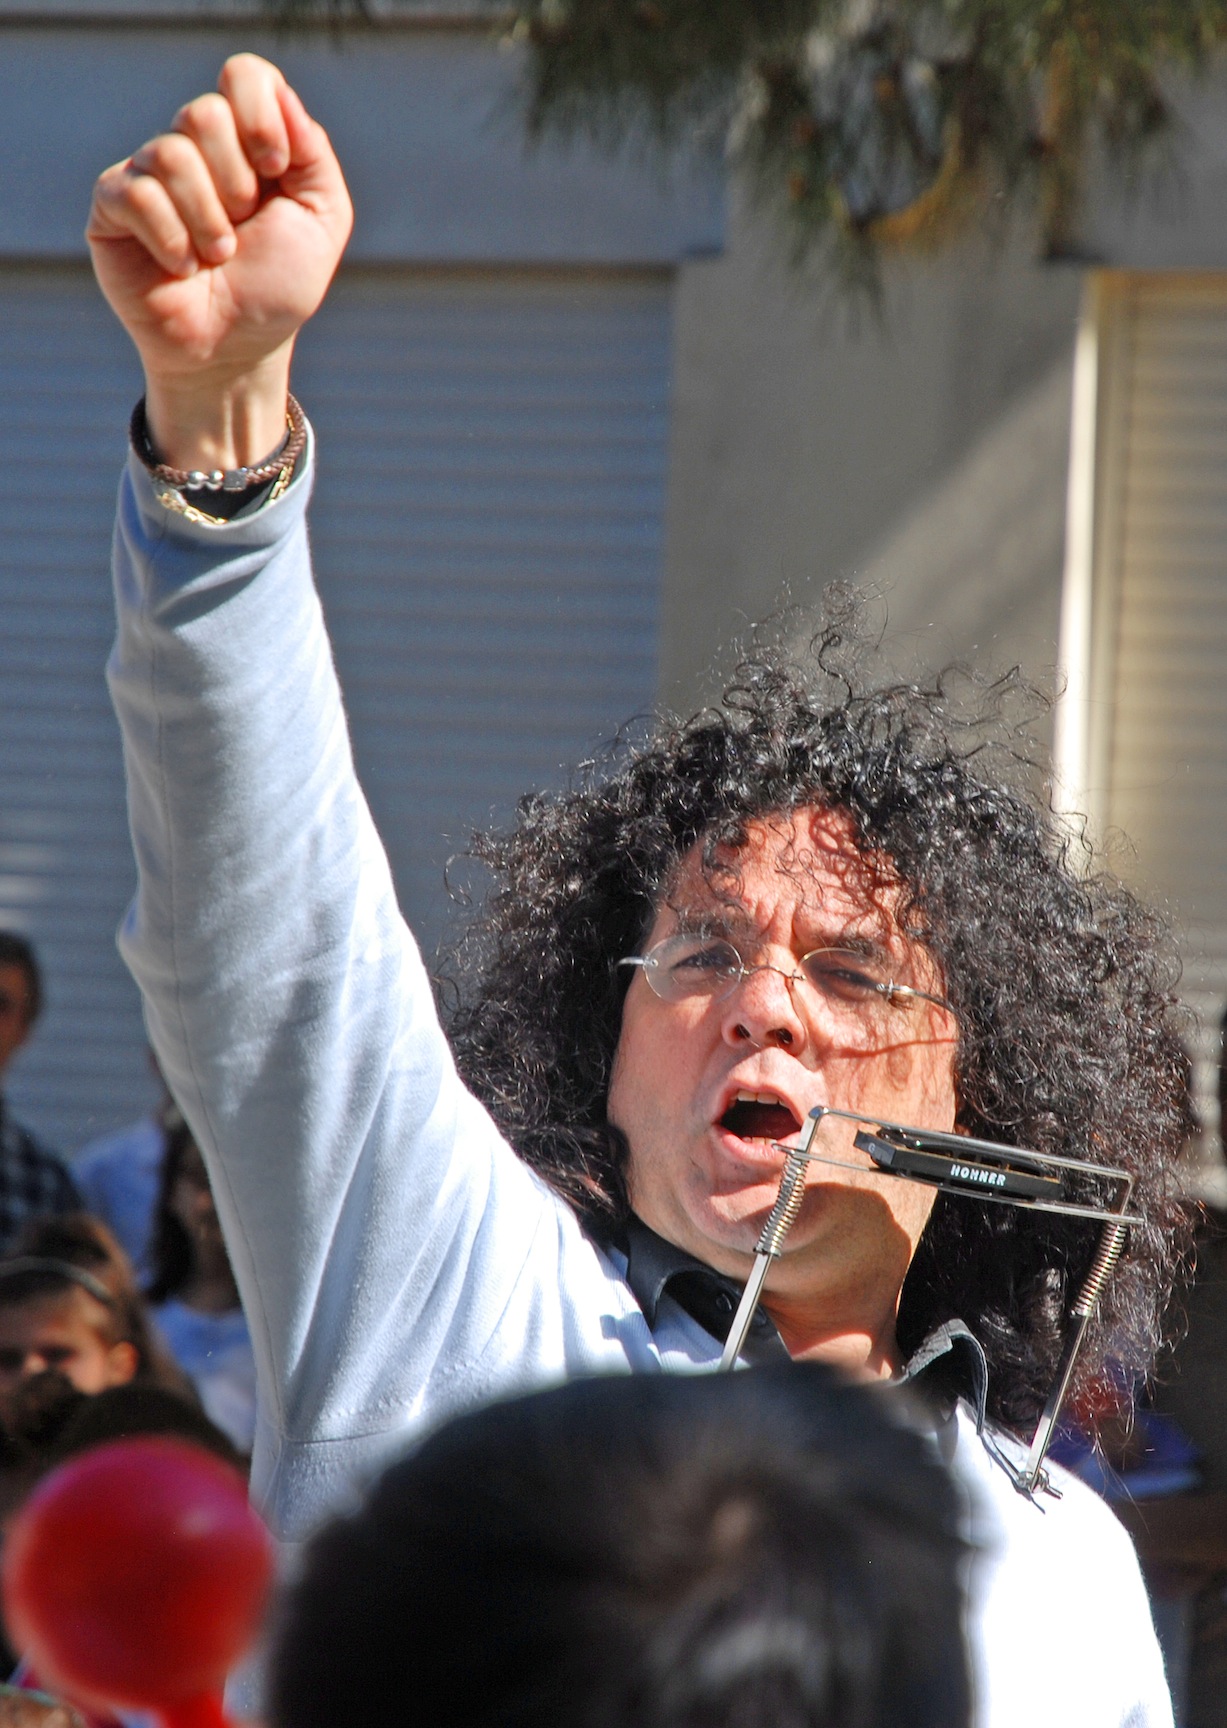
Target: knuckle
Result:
[165, 155]
[112, 185]
[250, 85]
[151, 212]
[237, 65]
[141, 193]
[207, 117]
[248, 76]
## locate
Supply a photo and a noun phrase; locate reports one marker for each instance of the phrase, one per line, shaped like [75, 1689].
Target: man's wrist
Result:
[217, 495]
[206, 423]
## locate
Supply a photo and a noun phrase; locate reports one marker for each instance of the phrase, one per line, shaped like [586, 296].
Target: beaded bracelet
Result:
[170, 484]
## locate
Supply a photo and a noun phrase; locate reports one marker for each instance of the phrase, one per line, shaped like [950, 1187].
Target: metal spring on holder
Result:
[1108, 1254]
[783, 1214]
[780, 1220]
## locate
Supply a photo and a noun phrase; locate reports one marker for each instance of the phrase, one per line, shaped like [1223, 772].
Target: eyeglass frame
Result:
[889, 991]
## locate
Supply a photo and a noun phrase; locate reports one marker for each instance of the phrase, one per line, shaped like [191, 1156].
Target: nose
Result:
[762, 1011]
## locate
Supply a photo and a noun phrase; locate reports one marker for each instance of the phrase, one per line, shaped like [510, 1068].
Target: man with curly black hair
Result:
[818, 893]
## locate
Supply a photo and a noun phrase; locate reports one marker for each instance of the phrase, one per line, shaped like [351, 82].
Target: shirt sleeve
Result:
[378, 1224]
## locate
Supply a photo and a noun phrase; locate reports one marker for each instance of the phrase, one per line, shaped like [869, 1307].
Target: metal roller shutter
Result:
[488, 536]
[488, 533]
[1155, 764]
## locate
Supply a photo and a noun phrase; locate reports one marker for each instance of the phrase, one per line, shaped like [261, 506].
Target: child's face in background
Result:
[66, 1331]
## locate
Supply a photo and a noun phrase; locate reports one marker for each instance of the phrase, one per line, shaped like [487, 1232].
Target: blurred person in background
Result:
[767, 1550]
[73, 1327]
[70, 1308]
[194, 1297]
[119, 1174]
[33, 1180]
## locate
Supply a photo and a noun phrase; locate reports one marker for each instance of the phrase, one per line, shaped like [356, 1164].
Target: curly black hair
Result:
[1062, 982]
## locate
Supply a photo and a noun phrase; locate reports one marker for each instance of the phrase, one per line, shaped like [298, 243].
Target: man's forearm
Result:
[379, 1226]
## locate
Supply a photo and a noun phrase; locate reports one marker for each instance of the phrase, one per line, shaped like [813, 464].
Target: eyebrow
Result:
[695, 923]
[692, 922]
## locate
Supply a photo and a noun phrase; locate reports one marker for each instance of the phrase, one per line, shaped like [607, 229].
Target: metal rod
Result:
[1115, 1217]
[746, 1310]
[1110, 1245]
[780, 1220]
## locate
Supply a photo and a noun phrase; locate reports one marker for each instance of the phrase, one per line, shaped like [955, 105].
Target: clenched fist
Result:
[214, 244]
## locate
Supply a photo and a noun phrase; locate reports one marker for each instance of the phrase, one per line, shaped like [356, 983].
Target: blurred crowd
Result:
[119, 1313]
[113, 1269]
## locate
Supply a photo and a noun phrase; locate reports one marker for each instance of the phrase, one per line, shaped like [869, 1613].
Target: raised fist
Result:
[214, 243]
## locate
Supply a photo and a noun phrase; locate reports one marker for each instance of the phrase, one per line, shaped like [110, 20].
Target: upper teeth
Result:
[756, 1098]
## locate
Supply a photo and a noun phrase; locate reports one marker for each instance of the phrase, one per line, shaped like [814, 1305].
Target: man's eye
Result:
[703, 960]
[844, 974]
[716, 959]
[11, 1360]
[57, 1354]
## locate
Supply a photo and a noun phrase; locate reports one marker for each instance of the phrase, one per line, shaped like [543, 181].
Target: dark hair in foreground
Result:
[50, 1421]
[123, 1412]
[761, 1550]
[1062, 982]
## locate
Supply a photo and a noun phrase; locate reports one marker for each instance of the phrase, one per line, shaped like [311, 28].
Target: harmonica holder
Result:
[974, 1169]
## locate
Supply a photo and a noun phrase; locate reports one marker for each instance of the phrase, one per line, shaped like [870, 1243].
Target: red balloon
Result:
[136, 1575]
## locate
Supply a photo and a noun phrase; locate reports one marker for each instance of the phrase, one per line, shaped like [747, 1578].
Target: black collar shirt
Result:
[950, 1366]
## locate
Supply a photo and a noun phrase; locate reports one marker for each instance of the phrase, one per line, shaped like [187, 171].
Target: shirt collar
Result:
[948, 1366]
[951, 1365]
[656, 1268]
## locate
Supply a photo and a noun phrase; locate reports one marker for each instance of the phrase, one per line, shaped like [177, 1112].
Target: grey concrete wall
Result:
[425, 122]
[1175, 218]
[922, 456]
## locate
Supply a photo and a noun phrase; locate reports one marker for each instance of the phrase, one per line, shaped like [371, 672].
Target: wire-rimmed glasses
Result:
[856, 987]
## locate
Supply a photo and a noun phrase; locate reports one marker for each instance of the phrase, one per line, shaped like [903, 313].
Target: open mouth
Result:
[759, 1116]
